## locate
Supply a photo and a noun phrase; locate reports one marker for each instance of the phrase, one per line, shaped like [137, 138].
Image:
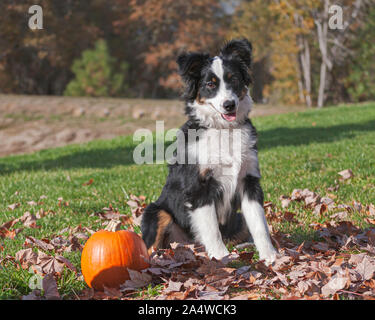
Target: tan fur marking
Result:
[164, 220]
[203, 174]
[199, 99]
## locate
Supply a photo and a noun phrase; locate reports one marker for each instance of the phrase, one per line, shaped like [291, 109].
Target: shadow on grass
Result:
[284, 136]
[106, 157]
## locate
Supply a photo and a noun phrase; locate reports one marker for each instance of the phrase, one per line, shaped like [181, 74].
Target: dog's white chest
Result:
[229, 154]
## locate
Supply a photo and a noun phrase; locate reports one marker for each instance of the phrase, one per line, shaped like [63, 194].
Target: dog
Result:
[200, 200]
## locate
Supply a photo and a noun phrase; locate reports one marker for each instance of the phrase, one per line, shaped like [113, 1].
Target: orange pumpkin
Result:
[107, 255]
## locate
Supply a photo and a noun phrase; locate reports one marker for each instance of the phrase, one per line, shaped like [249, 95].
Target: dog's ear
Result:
[238, 49]
[190, 65]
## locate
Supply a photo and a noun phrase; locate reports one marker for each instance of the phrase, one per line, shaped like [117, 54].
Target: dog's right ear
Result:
[190, 65]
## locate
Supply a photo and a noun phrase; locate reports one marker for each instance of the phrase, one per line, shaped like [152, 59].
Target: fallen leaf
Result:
[112, 292]
[26, 257]
[48, 263]
[34, 295]
[366, 268]
[44, 245]
[29, 220]
[137, 280]
[13, 206]
[173, 286]
[346, 174]
[88, 182]
[336, 283]
[50, 288]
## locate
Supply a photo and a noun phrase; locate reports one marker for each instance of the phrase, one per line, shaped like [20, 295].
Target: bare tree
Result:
[332, 43]
[305, 62]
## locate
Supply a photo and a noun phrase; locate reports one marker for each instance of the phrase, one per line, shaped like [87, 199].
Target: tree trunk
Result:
[322, 84]
[304, 83]
[322, 30]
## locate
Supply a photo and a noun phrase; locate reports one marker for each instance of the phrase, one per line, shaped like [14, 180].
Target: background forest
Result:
[127, 48]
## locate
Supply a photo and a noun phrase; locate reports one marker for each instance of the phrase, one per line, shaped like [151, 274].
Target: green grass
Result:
[296, 150]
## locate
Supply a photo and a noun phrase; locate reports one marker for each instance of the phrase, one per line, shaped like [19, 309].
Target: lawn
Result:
[296, 150]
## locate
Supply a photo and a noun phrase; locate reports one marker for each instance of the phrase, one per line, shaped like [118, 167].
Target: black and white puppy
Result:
[202, 196]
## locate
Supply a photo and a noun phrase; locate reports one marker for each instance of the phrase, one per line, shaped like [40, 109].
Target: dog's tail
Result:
[159, 229]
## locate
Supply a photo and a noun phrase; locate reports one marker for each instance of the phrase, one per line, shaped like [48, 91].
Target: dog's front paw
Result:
[219, 253]
[269, 256]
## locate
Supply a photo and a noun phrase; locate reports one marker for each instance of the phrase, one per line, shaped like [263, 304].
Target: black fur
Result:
[185, 183]
[190, 67]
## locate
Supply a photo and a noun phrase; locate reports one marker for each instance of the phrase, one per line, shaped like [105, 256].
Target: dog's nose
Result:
[229, 105]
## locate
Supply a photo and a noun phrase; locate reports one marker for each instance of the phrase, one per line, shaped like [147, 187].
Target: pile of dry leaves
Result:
[340, 263]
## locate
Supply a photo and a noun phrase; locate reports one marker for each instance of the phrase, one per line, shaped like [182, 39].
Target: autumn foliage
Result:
[297, 58]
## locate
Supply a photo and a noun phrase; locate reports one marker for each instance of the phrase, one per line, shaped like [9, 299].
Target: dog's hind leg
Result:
[159, 229]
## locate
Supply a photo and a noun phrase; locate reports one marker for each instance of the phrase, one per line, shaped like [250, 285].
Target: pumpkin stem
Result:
[113, 225]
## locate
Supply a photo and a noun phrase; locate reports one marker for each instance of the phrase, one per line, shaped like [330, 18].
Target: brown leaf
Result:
[370, 210]
[183, 253]
[110, 214]
[370, 221]
[246, 256]
[320, 209]
[28, 220]
[137, 280]
[289, 216]
[5, 233]
[366, 268]
[50, 288]
[296, 195]
[312, 200]
[112, 292]
[346, 174]
[27, 257]
[320, 246]
[44, 245]
[339, 215]
[212, 295]
[88, 182]
[173, 286]
[336, 283]
[66, 262]
[13, 206]
[87, 294]
[48, 263]
[34, 295]
[285, 201]
[132, 203]
[9, 224]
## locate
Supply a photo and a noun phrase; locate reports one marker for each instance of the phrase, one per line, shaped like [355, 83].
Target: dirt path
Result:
[30, 123]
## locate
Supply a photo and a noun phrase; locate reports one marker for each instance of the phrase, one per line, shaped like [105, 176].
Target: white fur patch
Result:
[211, 117]
[223, 94]
[206, 229]
[230, 155]
[257, 224]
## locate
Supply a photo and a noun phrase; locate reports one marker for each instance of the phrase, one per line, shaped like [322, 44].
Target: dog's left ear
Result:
[238, 49]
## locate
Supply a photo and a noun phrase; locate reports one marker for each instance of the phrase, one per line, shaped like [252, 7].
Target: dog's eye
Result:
[210, 85]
